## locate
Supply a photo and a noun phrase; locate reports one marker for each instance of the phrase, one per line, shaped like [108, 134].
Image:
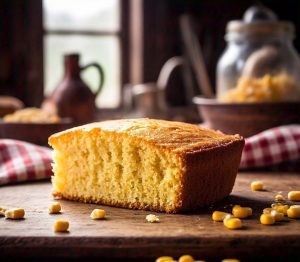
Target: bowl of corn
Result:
[246, 119]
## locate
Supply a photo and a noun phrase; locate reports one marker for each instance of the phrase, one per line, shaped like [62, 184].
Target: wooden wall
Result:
[21, 50]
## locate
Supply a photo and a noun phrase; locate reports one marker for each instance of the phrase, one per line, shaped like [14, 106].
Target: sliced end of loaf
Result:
[119, 170]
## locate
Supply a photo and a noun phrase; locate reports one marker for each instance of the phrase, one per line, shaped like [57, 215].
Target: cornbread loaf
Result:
[145, 164]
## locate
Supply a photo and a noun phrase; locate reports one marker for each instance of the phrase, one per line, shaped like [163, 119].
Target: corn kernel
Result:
[277, 215]
[295, 206]
[164, 259]
[232, 223]
[257, 185]
[2, 211]
[267, 219]
[241, 212]
[15, 213]
[152, 218]
[61, 226]
[219, 215]
[56, 195]
[294, 211]
[186, 258]
[54, 208]
[230, 260]
[267, 210]
[281, 208]
[249, 209]
[98, 214]
[294, 195]
[279, 198]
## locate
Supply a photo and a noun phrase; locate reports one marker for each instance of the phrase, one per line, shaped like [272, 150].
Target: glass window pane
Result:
[81, 14]
[101, 49]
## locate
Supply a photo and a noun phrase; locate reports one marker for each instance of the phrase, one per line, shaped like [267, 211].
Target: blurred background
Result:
[130, 39]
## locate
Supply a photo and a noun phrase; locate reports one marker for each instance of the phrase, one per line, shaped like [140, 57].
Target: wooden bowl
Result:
[36, 133]
[246, 119]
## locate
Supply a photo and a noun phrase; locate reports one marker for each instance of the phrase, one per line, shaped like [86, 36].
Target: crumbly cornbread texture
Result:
[145, 164]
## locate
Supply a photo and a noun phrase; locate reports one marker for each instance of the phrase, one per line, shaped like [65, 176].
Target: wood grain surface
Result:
[126, 236]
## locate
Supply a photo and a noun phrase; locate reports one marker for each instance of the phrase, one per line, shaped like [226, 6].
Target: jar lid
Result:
[260, 19]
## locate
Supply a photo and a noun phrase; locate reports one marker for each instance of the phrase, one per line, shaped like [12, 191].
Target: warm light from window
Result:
[90, 28]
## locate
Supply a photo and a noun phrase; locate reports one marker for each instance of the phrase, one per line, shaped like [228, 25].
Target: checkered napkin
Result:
[21, 161]
[272, 147]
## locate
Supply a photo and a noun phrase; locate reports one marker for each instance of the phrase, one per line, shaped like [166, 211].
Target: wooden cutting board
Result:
[125, 234]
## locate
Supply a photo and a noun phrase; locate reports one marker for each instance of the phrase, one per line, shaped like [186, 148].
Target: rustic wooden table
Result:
[126, 236]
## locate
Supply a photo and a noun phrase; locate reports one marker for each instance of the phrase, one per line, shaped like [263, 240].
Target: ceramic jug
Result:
[72, 98]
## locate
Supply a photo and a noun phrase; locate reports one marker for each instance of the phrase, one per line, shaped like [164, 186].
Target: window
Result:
[91, 28]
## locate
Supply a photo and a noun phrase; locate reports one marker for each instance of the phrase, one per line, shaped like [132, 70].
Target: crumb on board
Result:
[56, 195]
[152, 218]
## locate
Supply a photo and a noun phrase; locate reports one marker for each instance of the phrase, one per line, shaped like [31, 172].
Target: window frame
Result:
[122, 33]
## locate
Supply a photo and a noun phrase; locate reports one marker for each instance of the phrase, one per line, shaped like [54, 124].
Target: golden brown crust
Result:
[175, 136]
[210, 175]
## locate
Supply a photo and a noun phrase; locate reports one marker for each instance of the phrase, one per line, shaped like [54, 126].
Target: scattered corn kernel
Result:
[152, 218]
[98, 214]
[294, 195]
[281, 208]
[56, 195]
[249, 210]
[186, 258]
[295, 206]
[279, 198]
[277, 215]
[257, 185]
[241, 212]
[267, 210]
[230, 260]
[164, 259]
[15, 213]
[61, 226]
[2, 211]
[232, 223]
[267, 219]
[54, 208]
[218, 215]
[294, 211]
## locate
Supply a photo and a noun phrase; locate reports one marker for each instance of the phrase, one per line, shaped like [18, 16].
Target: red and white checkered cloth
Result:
[273, 146]
[21, 161]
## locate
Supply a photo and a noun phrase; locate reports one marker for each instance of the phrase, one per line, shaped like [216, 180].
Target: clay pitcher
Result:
[72, 97]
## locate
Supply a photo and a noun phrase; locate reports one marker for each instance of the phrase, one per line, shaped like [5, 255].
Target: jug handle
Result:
[167, 69]
[101, 74]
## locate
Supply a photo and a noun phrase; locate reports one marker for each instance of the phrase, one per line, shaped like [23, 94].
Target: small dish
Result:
[246, 119]
[36, 133]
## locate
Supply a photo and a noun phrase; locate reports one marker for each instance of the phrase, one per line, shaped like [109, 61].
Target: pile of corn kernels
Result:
[269, 216]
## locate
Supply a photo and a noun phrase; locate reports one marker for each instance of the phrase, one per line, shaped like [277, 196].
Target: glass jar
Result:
[259, 63]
